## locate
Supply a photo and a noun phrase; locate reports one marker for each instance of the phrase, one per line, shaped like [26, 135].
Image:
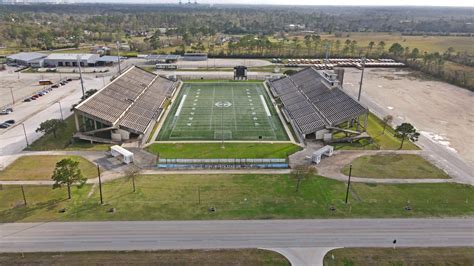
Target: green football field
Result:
[222, 111]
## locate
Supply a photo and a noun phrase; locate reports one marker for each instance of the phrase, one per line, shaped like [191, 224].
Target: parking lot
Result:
[54, 104]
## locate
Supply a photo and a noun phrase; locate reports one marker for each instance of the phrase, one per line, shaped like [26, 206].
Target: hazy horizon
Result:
[421, 3]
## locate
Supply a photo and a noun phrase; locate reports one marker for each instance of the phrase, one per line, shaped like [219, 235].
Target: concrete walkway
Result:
[303, 256]
[329, 167]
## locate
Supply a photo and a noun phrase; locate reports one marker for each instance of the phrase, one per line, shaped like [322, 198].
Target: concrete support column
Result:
[366, 121]
[77, 122]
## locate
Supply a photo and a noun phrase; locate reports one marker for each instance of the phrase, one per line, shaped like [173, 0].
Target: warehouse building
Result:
[124, 110]
[32, 59]
[71, 60]
[314, 103]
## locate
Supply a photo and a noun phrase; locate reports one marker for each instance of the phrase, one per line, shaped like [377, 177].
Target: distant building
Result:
[32, 59]
[162, 58]
[70, 60]
[194, 57]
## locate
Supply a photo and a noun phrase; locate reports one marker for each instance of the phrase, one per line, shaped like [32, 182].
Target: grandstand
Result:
[314, 103]
[124, 109]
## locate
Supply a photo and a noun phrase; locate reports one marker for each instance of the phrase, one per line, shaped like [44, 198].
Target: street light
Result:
[26, 138]
[60, 110]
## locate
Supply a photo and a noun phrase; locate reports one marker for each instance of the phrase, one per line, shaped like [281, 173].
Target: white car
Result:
[6, 111]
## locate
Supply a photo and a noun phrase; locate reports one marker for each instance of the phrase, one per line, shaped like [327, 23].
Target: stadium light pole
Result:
[118, 56]
[11, 92]
[100, 186]
[80, 75]
[348, 182]
[24, 132]
[60, 110]
[23, 194]
[361, 78]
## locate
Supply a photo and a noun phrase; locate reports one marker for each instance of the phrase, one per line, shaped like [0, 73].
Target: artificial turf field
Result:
[222, 111]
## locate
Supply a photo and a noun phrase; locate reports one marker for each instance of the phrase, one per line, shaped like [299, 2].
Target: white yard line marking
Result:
[180, 105]
[265, 105]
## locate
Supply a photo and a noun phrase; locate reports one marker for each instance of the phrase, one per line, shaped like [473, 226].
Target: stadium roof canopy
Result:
[162, 57]
[314, 101]
[31, 56]
[66, 56]
[109, 58]
[131, 101]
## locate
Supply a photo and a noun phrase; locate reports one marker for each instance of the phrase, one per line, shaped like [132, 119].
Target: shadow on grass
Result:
[23, 211]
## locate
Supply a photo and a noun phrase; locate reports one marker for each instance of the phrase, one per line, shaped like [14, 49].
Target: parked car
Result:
[6, 111]
[55, 86]
[4, 125]
[69, 80]
[10, 122]
[27, 100]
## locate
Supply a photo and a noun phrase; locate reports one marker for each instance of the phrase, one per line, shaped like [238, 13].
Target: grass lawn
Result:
[222, 257]
[189, 197]
[215, 150]
[381, 141]
[401, 256]
[63, 140]
[394, 166]
[41, 167]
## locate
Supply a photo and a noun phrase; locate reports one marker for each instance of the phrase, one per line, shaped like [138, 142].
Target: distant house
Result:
[33, 59]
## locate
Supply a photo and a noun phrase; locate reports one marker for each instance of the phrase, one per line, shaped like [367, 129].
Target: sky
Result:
[468, 3]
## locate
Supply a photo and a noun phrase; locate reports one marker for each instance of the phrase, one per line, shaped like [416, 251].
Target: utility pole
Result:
[26, 138]
[23, 193]
[348, 182]
[61, 111]
[80, 75]
[118, 56]
[100, 186]
[11, 92]
[361, 78]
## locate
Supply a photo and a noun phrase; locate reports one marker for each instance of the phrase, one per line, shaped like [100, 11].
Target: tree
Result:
[67, 173]
[396, 49]
[131, 173]
[386, 120]
[51, 126]
[381, 46]
[371, 46]
[404, 131]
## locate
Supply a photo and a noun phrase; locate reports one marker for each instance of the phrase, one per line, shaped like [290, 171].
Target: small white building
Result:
[122, 154]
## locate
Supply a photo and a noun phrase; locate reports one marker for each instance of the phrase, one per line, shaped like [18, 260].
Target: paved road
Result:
[82, 236]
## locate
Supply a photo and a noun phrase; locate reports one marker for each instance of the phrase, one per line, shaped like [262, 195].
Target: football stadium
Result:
[218, 111]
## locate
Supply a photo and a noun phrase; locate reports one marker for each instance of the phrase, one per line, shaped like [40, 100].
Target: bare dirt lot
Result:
[440, 111]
